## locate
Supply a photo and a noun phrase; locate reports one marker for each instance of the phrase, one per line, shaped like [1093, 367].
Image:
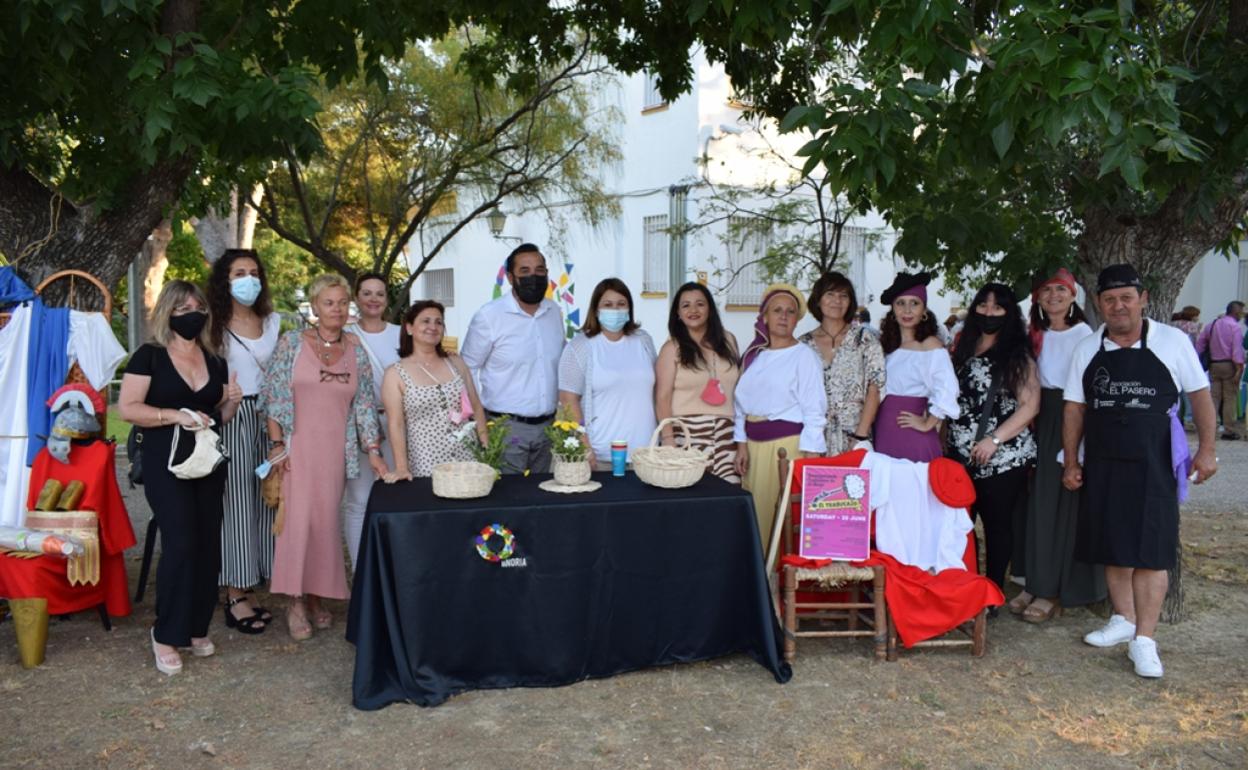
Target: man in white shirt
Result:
[1121, 398]
[513, 346]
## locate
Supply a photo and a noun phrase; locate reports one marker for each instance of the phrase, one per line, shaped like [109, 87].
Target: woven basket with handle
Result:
[668, 466]
[463, 480]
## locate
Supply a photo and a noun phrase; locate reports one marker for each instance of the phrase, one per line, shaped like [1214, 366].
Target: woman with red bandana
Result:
[1054, 577]
[920, 387]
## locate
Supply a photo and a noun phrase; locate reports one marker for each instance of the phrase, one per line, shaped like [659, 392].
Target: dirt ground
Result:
[1040, 698]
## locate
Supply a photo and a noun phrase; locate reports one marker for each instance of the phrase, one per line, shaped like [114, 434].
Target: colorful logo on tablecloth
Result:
[497, 544]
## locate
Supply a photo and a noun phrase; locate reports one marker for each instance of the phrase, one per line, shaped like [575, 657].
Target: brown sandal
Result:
[1035, 615]
[1018, 604]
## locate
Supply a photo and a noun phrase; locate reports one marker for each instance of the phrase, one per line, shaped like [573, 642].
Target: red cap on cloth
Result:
[950, 482]
[90, 399]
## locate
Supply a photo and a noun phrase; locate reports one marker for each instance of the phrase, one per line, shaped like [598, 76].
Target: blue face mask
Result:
[245, 289]
[612, 320]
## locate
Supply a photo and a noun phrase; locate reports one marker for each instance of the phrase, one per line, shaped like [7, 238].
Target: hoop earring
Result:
[927, 315]
[1043, 317]
[1070, 312]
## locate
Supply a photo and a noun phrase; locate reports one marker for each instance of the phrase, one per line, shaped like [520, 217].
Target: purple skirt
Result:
[905, 443]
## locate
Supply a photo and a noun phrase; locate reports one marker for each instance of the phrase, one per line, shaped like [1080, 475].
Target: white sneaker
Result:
[1143, 653]
[1116, 631]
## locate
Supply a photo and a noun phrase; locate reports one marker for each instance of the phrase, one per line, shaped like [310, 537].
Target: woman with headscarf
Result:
[920, 387]
[779, 402]
[853, 362]
[999, 394]
[1055, 578]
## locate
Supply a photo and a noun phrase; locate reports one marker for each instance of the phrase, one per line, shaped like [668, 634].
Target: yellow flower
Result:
[489, 423]
[526, 472]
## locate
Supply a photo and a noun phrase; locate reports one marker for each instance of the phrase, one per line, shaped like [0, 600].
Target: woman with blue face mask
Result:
[606, 374]
[245, 331]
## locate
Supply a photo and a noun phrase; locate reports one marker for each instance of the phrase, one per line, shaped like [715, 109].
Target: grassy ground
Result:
[1038, 699]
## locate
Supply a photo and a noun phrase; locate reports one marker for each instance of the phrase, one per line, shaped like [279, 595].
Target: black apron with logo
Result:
[1129, 505]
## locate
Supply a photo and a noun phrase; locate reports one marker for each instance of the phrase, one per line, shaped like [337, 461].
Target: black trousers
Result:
[188, 514]
[996, 499]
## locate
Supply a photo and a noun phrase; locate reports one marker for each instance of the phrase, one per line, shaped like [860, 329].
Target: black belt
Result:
[1221, 361]
[526, 420]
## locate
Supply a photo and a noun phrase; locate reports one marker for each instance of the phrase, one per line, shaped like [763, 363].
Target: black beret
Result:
[904, 282]
[1116, 277]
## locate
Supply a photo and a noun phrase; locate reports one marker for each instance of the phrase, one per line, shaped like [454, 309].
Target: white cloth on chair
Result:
[14, 360]
[911, 524]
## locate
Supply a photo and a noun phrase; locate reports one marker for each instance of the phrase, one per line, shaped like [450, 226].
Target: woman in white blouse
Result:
[380, 339]
[920, 387]
[606, 374]
[245, 329]
[780, 402]
[1054, 577]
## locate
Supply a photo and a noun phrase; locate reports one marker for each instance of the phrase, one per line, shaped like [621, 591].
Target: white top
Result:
[247, 357]
[923, 374]
[514, 356]
[94, 346]
[621, 381]
[382, 348]
[1056, 352]
[1172, 346]
[785, 384]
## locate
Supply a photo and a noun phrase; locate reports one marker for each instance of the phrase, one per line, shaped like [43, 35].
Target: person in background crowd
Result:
[999, 394]
[1226, 365]
[1187, 320]
[780, 402]
[1121, 397]
[174, 372]
[245, 329]
[696, 378]
[318, 395]
[920, 387]
[606, 374]
[1055, 578]
[381, 342]
[425, 393]
[513, 347]
[864, 320]
[853, 362]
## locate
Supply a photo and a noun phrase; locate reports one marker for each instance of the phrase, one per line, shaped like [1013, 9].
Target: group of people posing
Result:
[339, 405]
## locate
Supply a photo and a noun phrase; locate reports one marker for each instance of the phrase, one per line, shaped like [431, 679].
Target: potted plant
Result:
[569, 449]
[497, 432]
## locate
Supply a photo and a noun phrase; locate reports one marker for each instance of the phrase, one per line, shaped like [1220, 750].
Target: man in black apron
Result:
[1129, 505]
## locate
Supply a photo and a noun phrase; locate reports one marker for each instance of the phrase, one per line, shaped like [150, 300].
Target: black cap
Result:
[1118, 276]
[904, 282]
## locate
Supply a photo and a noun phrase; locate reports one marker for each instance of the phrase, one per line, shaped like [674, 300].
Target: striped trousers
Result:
[247, 529]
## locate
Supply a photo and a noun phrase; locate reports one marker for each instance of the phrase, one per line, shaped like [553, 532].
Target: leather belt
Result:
[518, 418]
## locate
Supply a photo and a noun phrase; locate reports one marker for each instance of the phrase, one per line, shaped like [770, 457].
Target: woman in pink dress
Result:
[319, 398]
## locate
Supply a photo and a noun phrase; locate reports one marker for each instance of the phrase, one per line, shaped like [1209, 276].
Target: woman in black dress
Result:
[998, 396]
[178, 370]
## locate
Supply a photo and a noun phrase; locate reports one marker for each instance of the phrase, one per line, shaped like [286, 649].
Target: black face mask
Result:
[991, 324]
[531, 288]
[188, 325]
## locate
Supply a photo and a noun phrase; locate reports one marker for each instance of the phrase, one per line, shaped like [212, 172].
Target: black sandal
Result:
[263, 613]
[252, 624]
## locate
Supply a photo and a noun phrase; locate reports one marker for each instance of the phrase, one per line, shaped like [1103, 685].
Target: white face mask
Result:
[612, 320]
[245, 289]
[205, 457]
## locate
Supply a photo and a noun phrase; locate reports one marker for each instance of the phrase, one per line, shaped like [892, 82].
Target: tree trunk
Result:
[231, 227]
[1163, 247]
[151, 265]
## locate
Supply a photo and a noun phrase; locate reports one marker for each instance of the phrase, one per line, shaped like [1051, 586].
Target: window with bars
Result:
[440, 285]
[652, 99]
[747, 244]
[655, 249]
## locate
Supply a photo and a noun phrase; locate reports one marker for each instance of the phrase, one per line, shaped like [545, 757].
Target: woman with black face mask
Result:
[998, 396]
[177, 379]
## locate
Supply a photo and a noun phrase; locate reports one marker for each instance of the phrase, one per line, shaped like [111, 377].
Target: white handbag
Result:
[206, 455]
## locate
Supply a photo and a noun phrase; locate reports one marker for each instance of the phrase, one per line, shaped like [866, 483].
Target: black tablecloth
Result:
[623, 578]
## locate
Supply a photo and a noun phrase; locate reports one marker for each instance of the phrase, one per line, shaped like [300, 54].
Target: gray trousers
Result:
[527, 449]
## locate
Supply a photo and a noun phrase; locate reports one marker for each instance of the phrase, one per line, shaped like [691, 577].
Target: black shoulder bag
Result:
[134, 453]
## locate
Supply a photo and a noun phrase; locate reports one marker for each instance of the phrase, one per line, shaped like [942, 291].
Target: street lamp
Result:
[497, 220]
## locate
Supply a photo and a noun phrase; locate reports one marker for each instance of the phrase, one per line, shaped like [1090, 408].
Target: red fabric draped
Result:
[923, 605]
[93, 465]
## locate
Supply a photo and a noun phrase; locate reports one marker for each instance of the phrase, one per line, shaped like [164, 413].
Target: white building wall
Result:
[1214, 282]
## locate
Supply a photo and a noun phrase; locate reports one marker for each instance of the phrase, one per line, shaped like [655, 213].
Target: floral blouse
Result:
[974, 380]
[277, 400]
[856, 364]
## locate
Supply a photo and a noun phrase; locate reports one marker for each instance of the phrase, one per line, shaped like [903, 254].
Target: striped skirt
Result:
[714, 431]
[247, 529]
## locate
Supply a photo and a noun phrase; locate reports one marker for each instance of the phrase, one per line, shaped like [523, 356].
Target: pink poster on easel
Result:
[836, 513]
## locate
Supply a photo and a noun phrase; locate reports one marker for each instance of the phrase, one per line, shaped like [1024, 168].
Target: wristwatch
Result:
[995, 441]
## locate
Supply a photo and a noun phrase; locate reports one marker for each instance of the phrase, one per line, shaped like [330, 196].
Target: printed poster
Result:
[836, 513]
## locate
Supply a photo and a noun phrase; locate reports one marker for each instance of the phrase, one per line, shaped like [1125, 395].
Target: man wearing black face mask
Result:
[512, 347]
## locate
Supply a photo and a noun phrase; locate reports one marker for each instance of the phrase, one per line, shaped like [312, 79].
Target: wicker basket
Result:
[462, 480]
[666, 466]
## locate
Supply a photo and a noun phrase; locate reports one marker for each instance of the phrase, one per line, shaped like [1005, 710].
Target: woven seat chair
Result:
[862, 615]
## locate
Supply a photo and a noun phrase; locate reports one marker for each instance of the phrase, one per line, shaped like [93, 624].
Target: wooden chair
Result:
[837, 577]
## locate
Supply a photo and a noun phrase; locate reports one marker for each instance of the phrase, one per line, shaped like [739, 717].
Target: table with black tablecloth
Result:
[599, 583]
